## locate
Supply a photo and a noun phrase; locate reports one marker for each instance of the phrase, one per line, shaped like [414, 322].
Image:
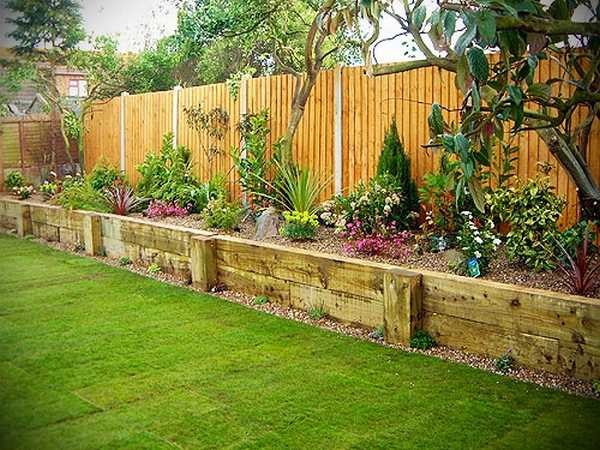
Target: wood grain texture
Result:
[542, 329]
[367, 107]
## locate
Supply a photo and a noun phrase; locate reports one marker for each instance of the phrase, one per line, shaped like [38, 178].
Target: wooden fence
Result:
[33, 145]
[340, 135]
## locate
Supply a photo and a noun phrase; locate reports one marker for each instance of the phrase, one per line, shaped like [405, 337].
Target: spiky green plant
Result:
[295, 188]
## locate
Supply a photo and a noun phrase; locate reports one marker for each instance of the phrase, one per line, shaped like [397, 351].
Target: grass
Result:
[97, 357]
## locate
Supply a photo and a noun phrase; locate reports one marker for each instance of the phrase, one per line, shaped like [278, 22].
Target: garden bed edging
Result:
[545, 330]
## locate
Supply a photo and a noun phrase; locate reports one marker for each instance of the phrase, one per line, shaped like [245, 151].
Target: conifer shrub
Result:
[395, 163]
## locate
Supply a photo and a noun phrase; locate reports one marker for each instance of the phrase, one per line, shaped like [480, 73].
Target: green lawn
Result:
[96, 357]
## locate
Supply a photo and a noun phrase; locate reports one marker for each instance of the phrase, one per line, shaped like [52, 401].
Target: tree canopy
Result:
[465, 36]
[51, 25]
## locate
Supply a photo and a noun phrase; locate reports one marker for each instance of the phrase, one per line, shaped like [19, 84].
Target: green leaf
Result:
[488, 94]
[461, 144]
[526, 6]
[476, 193]
[462, 79]
[540, 90]
[476, 97]
[436, 120]
[486, 24]
[418, 16]
[515, 94]
[512, 42]
[449, 24]
[478, 64]
[448, 142]
[466, 38]
[517, 115]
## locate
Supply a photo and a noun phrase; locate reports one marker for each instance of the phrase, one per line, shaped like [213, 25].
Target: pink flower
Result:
[158, 208]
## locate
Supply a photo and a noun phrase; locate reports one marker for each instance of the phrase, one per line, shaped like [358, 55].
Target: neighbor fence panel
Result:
[358, 119]
[33, 145]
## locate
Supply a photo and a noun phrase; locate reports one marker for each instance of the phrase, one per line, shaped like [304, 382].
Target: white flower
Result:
[387, 209]
[467, 213]
[477, 254]
[497, 241]
[478, 240]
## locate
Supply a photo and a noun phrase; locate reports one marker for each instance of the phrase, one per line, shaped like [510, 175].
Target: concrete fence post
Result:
[337, 131]
[402, 302]
[243, 96]
[92, 234]
[122, 132]
[204, 262]
[24, 224]
[175, 113]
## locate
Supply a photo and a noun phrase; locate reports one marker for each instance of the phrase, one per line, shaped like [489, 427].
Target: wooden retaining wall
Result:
[542, 329]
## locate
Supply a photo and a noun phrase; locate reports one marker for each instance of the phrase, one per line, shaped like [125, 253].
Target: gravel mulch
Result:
[543, 379]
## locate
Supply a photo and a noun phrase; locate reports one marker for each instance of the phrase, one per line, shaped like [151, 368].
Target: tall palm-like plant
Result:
[294, 188]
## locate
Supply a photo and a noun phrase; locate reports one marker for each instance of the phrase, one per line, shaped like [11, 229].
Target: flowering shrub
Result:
[477, 240]
[221, 214]
[23, 192]
[158, 208]
[332, 212]
[299, 226]
[48, 189]
[377, 208]
[390, 242]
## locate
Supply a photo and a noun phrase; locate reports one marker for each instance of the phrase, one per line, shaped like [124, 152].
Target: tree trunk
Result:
[67, 142]
[570, 158]
[298, 106]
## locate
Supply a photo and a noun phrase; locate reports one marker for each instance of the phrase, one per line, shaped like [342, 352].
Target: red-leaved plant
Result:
[579, 271]
[121, 199]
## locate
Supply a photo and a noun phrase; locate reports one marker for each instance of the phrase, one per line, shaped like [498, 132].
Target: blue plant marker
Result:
[442, 244]
[473, 267]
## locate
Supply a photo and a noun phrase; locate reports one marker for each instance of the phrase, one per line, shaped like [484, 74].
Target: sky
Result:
[138, 23]
[156, 18]
[121, 18]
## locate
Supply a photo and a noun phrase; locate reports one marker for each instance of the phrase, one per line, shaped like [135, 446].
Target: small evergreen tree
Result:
[394, 162]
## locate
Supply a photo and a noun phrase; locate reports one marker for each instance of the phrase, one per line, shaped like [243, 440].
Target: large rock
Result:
[267, 224]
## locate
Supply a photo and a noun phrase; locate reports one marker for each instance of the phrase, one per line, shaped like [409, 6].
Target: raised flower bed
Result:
[546, 330]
